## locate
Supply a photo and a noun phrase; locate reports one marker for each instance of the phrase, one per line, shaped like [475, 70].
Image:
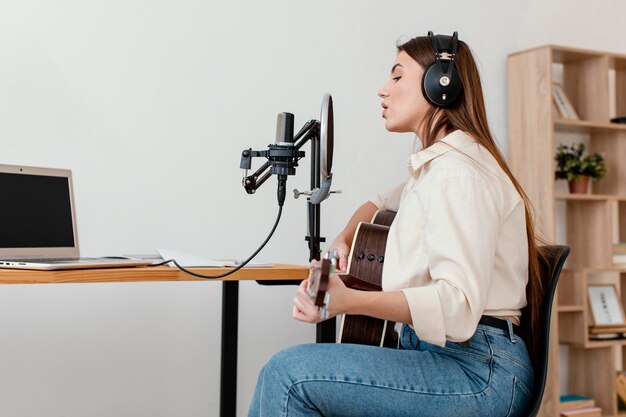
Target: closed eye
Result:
[396, 79]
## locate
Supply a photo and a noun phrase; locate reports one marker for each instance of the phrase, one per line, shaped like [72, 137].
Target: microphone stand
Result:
[314, 210]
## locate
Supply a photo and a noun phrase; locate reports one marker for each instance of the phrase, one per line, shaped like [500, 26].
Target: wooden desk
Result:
[276, 275]
[279, 272]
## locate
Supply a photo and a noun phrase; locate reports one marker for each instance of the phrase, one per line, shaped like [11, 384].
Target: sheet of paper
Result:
[251, 264]
[189, 260]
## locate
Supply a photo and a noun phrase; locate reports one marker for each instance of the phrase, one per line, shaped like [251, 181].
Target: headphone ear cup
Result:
[430, 84]
[435, 92]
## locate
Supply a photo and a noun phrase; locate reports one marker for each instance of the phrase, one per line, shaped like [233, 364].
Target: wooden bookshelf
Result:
[595, 84]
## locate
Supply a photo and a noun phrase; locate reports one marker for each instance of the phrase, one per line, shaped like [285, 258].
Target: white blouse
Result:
[457, 248]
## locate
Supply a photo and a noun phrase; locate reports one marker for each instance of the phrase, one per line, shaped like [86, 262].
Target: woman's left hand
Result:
[305, 310]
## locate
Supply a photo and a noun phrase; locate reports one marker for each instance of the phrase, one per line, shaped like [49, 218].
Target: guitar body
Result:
[365, 270]
[384, 217]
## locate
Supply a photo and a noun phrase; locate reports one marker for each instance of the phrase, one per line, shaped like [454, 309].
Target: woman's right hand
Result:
[343, 251]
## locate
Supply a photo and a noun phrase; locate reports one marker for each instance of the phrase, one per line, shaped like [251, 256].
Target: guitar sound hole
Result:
[371, 257]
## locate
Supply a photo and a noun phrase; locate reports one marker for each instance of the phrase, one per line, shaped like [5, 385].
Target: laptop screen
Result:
[35, 211]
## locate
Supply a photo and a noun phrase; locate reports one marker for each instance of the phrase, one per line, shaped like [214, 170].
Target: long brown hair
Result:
[468, 114]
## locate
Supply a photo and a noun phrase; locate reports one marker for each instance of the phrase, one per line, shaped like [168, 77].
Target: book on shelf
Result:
[619, 258]
[620, 387]
[570, 401]
[606, 329]
[564, 106]
[607, 336]
[619, 247]
[582, 412]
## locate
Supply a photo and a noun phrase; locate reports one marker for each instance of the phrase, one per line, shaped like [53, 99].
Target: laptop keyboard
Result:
[53, 260]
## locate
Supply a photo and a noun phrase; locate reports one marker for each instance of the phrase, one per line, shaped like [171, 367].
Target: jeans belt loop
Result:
[503, 324]
[510, 326]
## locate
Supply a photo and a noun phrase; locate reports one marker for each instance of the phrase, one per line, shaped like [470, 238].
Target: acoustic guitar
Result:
[364, 272]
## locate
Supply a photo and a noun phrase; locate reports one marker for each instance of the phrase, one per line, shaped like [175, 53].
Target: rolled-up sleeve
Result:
[461, 234]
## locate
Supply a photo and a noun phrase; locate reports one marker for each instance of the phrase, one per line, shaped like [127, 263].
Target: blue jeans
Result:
[489, 376]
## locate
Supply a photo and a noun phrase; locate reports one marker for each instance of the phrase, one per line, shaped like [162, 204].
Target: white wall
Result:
[150, 104]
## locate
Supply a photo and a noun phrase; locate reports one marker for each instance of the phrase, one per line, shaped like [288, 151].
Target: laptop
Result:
[38, 222]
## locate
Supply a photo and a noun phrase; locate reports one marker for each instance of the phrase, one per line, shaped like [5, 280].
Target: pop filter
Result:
[326, 151]
[326, 136]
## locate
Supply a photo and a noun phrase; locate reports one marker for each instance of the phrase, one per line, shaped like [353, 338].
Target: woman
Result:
[459, 255]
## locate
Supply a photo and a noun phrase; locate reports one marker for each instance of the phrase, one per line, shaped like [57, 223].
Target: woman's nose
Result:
[382, 92]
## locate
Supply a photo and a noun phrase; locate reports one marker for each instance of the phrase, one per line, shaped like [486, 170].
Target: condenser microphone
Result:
[284, 128]
[282, 154]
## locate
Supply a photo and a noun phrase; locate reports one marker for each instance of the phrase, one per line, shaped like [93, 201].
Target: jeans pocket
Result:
[457, 349]
[478, 347]
[520, 399]
[408, 340]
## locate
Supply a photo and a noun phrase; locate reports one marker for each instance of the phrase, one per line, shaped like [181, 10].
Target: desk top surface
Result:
[278, 272]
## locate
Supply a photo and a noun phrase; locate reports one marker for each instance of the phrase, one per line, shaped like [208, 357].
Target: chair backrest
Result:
[551, 262]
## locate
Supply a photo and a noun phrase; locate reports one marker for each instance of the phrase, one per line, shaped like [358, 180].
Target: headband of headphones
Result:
[441, 83]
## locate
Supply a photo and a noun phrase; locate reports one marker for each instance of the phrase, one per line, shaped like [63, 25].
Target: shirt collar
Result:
[453, 140]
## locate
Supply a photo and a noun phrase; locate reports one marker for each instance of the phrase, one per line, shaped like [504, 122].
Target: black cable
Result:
[232, 271]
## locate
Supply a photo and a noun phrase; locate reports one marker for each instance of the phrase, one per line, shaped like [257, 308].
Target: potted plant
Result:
[577, 167]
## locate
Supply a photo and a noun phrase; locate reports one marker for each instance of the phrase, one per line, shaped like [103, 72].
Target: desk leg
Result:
[325, 331]
[230, 319]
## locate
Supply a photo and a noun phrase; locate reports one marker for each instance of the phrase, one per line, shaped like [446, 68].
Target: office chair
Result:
[550, 265]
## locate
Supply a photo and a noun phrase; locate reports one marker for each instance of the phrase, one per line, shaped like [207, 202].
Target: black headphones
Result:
[441, 83]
